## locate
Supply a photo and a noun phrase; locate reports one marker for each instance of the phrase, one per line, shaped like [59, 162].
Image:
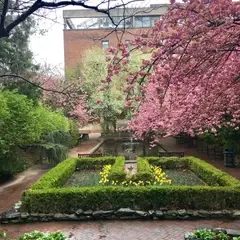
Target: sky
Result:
[48, 48]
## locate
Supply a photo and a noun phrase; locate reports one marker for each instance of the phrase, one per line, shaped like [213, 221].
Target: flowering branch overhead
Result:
[191, 83]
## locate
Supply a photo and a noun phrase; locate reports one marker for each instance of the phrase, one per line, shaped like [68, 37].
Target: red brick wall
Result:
[78, 41]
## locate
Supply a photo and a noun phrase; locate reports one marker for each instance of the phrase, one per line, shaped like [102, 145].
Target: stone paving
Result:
[120, 230]
[86, 146]
[113, 230]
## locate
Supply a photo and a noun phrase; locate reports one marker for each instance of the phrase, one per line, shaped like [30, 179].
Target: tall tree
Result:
[16, 58]
[105, 98]
[15, 55]
[191, 83]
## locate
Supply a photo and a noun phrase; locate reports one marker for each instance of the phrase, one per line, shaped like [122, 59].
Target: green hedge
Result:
[57, 176]
[211, 175]
[46, 197]
[144, 172]
[208, 173]
[94, 163]
[117, 172]
[66, 200]
[168, 162]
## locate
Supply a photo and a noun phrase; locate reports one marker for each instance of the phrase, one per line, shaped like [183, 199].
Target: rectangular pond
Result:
[129, 148]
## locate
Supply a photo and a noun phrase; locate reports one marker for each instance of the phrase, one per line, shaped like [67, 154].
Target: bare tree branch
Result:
[25, 11]
[14, 76]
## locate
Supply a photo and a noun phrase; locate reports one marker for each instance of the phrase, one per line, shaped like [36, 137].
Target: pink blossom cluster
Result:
[70, 98]
[192, 81]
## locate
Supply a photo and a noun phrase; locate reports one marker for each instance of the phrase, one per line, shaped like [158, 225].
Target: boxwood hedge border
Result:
[46, 196]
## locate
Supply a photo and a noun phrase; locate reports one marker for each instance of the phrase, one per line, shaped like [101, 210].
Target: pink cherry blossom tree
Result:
[65, 95]
[192, 81]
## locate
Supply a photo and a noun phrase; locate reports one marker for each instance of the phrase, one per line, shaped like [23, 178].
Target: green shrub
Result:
[36, 235]
[211, 175]
[46, 197]
[94, 163]
[144, 172]
[10, 165]
[117, 172]
[168, 162]
[57, 176]
[4, 236]
[65, 200]
[208, 234]
[74, 132]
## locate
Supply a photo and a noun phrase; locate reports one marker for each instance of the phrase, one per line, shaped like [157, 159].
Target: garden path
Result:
[11, 191]
[86, 146]
[121, 230]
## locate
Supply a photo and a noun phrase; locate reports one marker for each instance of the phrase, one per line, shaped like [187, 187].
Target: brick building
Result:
[87, 28]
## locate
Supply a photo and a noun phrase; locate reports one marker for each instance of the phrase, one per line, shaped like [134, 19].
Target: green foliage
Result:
[93, 70]
[23, 123]
[36, 235]
[57, 176]
[17, 121]
[207, 234]
[211, 175]
[117, 172]
[168, 162]
[94, 163]
[10, 165]
[4, 236]
[74, 132]
[15, 55]
[55, 146]
[227, 137]
[58, 137]
[144, 172]
[48, 121]
[65, 200]
[46, 196]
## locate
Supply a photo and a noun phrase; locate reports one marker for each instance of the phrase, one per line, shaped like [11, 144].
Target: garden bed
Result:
[83, 178]
[213, 234]
[184, 177]
[49, 196]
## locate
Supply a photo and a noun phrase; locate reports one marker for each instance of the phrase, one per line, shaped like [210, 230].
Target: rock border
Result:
[230, 232]
[15, 216]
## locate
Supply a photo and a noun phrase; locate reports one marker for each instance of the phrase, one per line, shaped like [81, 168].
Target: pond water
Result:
[128, 148]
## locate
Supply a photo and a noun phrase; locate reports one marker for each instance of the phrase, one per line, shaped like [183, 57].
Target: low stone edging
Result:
[229, 232]
[15, 216]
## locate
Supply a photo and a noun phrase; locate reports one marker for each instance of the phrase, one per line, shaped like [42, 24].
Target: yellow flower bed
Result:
[159, 177]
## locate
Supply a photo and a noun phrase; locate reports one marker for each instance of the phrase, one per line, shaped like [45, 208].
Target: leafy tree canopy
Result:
[21, 122]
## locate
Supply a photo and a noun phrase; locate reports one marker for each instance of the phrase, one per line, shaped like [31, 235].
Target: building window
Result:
[154, 19]
[142, 22]
[105, 44]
